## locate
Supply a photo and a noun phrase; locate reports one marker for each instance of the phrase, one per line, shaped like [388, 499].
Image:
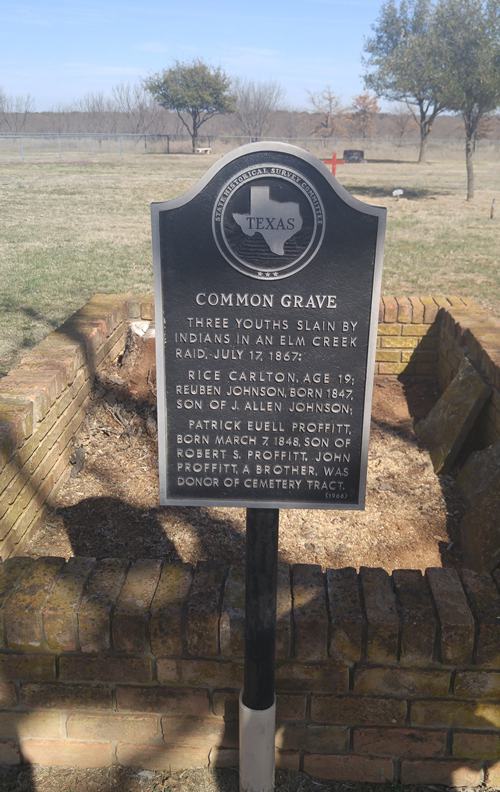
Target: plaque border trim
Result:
[269, 147]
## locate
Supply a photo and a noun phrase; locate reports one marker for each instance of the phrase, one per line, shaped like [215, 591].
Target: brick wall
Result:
[43, 399]
[473, 331]
[42, 404]
[379, 678]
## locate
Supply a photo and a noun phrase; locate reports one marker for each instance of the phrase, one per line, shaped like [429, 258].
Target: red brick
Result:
[199, 673]
[325, 739]
[388, 356]
[224, 757]
[60, 614]
[430, 309]
[24, 725]
[400, 743]
[9, 753]
[287, 760]
[357, 711]
[198, 733]
[405, 310]
[72, 697]
[292, 736]
[11, 492]
[225, 704]
[381, 615]
[90, 334]
[232, 621]
[116, 726]
[290, 706]
[390, 309]
[67, 753]
[457, 624]
[99, 598]
[33, 668]
[457, 714]
[349, 768]
[446, 772]
[167, 610]
[284, 613]
[416, 613]
[16, 423]
[470, 745]
[130, 623]
[310, 617]
[203, 610]
[385, 329]
[161, 757]
[493, 775]
[13, 573]
[346, 614]
[7, 474]
[39, 390]
[485, 600]
[38, 365]
[417, 309]
[168, 701]
[147, 310]
[402, 683]
[88, 668]
[478, 684]
[8, 697]
[320, 677]
[23, 609]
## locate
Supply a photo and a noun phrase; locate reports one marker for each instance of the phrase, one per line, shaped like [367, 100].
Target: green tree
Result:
[468, 32]
[196, 91]
[401, 62]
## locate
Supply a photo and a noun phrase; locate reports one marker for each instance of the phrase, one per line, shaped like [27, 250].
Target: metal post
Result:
[257, 700]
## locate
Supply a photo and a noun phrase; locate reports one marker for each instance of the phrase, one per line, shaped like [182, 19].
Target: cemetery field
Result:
[78, 224]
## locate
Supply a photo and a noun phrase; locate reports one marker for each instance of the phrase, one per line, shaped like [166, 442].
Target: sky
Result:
[59, 50]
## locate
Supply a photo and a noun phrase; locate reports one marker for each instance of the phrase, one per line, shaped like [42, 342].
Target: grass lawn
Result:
[72, 226]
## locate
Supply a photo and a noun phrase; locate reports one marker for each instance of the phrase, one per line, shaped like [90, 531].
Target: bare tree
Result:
[364, 111]
[255, 101]
[327, 104]
[100, 112]
[136, 105]
[14, 112]
[402, 119]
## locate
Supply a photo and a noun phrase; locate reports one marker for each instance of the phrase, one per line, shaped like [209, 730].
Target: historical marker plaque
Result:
[267, 280]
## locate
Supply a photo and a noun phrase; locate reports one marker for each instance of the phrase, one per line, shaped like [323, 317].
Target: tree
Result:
[402, 120]
[136, 105]
[196, 91]
[99, 111]
[364, 110]
[254, 104]
[469, 39]
[402, 62]
[14, 112]
[328, 105]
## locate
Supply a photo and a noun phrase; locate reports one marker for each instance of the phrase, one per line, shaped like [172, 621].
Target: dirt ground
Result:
[122, 780]
[108, 506]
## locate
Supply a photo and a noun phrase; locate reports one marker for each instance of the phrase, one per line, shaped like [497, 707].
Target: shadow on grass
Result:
[28, 338]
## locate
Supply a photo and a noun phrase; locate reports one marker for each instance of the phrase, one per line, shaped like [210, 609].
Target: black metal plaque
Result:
[267, 280]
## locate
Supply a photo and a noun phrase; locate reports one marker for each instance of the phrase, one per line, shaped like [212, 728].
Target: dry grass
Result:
[80, 224]
[40, 779]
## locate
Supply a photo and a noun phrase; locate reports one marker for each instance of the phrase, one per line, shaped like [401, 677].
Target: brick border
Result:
[105, 662]
[43, 400]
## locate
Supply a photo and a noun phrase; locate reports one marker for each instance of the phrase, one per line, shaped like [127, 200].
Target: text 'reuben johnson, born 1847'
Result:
[267, 282]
